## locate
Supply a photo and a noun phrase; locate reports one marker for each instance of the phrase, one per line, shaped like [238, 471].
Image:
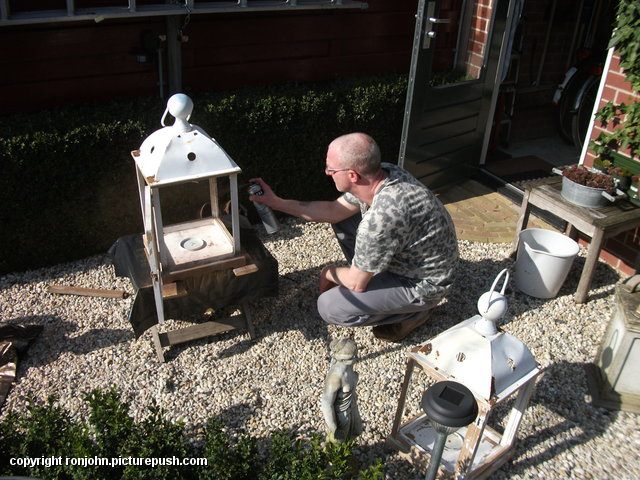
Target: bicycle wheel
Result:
[584, 110]
[567, 102]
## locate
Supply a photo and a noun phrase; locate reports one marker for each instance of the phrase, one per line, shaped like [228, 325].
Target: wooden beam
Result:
[251, 268]
[90, 292]
[202, 330]
[174, 290]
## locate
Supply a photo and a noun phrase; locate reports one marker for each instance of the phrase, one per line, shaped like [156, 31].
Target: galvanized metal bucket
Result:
[582, 195]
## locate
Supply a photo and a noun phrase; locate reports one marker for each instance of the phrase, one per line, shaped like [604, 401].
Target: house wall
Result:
[478, 37]
[48, 65]
[623, 251]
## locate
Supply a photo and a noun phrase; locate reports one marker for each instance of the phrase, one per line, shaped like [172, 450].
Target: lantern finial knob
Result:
[492, 305]
[180, 106]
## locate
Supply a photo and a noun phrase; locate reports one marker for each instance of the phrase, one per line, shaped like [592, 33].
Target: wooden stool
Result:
[597, 223]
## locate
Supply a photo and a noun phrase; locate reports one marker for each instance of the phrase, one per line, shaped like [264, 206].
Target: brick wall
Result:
[622, 251]
[478, 37]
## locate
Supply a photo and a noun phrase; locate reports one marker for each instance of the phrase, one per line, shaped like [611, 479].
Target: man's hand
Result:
[326, 276]
[268, 197]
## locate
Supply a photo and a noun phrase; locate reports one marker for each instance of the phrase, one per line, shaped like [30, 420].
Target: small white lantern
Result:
[174, 155]
[494, 366]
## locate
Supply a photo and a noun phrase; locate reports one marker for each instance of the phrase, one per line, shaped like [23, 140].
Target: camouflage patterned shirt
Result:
[408, 232]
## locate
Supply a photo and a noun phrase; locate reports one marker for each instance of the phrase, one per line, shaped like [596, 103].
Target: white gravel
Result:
[276, 381]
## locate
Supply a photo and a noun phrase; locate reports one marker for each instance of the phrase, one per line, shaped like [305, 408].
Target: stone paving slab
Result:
[481, 214]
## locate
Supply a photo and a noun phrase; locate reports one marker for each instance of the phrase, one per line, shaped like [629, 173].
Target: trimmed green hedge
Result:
[68, 183]
[76, 449]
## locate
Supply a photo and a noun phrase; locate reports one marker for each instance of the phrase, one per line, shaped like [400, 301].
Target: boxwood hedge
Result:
[67, 178]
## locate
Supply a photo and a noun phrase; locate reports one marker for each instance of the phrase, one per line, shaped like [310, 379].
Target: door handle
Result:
[429, 26]
[429, 32]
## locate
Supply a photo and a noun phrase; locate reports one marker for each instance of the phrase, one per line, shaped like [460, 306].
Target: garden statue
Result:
[339, 403]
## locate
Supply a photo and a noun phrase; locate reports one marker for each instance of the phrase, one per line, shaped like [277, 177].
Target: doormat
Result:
[516, 171]
[520, 177]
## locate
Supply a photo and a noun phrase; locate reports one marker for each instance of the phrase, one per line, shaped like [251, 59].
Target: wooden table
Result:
[597, 223]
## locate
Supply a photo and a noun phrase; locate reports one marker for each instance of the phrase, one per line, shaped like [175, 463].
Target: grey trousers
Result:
[387, 299]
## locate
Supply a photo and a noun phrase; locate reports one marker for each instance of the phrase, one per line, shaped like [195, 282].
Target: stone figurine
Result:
[339, 404]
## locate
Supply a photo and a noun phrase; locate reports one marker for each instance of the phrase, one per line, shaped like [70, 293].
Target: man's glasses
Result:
[329, 171]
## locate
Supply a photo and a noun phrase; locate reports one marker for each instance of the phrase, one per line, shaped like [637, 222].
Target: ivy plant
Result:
[623, 117]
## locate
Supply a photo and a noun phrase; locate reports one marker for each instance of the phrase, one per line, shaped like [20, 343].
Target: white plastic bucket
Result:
[543, 262]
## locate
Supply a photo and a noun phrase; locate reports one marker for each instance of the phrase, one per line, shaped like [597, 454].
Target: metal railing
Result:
[130, 8]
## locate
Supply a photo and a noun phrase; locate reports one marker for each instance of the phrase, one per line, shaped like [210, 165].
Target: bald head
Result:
[359, 152]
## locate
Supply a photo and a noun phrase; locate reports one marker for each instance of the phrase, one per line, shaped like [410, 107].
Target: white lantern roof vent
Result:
[183, 151]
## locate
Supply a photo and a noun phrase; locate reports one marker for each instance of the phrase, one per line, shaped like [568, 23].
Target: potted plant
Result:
[633, 190]
[584, 187]
[602, 165]
[621, 177]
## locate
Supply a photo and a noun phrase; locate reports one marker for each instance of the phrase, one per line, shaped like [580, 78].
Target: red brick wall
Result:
[622, 251]
[478, 37]
[616, 90]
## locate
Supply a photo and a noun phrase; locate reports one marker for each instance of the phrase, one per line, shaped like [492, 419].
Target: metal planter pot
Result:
[582, 195]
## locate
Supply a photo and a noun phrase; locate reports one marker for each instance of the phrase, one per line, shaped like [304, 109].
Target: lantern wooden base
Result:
[202, 330]
[415, 440]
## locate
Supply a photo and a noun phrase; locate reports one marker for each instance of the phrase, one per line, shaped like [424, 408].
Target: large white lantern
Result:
[174, 155]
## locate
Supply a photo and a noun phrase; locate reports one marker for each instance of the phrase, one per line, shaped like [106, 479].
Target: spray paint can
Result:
[266, 214]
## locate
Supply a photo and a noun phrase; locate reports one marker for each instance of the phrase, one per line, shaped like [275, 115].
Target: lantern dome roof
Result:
[490, 365]
[182, 151]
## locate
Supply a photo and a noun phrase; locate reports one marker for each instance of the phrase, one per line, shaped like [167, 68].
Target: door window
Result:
[459, 36]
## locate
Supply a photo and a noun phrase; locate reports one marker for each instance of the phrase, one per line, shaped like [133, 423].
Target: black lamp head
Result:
[449, 405]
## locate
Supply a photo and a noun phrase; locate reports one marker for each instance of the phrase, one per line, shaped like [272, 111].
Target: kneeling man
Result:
[395, 233]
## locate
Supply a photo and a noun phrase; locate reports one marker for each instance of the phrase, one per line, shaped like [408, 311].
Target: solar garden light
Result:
[449, 406]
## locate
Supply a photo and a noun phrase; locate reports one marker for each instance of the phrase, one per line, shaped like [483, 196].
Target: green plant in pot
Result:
[602, 165]
[621, 177]
[584, 187]
[633, 190]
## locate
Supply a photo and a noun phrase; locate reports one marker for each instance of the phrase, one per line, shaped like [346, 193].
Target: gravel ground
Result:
[276, 380]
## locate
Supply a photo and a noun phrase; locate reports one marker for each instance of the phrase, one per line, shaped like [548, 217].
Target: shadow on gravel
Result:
[56, 338]
[475, 278]
[53, 273]
[575, 421]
